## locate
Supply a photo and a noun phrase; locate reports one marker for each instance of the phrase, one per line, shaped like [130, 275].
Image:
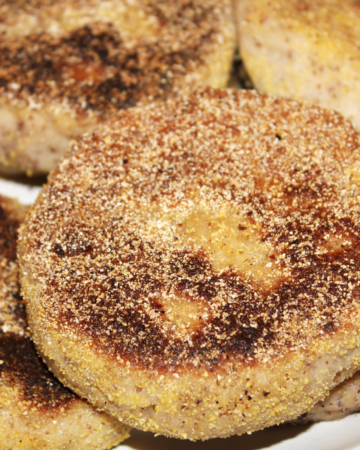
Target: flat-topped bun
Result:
[307, 50]
[36, 410]
[193, 268]
[65, 66]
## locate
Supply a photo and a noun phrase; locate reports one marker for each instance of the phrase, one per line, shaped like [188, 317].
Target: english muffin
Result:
[193, 267]
[36, 410]
[342, 401]
[306, 50]
[65, 66]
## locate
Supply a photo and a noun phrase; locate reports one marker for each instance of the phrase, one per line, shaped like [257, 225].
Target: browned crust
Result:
[30, 6]
[109, 244]
[12, 311]
[38, 412]
[20, 366]
[11, 214]
[90, 248]
[92, 71]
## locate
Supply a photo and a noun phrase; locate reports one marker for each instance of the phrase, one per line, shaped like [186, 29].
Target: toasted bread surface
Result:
[66, 66]
[307, 50]
[195, 265]
[36, 410]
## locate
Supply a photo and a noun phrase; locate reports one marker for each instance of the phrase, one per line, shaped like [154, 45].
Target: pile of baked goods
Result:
[191, 267]
[37, 411]
[308, 50]
[67, 66]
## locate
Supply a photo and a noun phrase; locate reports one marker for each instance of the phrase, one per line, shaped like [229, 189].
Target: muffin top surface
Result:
[222, 226]
[95, 57]
[20, 366]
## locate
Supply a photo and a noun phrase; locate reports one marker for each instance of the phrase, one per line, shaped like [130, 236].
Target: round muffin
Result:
[36, 410]
[342, 401]
[65, 66]
[306, 50]
[193, 267]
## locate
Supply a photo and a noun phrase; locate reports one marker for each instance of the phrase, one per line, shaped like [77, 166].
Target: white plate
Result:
[340, 435]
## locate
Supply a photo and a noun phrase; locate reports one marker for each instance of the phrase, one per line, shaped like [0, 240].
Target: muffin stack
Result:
[191, 266]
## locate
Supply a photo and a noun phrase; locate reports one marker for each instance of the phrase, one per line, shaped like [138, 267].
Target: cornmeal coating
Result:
[306, 50]
[36, 410]
[194, 268]
[65, 66]
[342, 401]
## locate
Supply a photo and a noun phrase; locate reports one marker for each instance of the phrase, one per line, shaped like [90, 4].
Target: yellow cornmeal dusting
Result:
[12, 313]
[321, 15]
[9, 322]
[191, 254]
[308, 50]
[22, 18]
[37, 412]
[67, 66]
[96, 67]
[343, 400]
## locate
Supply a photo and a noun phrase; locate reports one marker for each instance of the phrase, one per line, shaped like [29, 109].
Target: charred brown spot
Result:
[20, 367]
[329, 326]
[23, 369]
[246, 321]
[116, 291]
[93, 67]
[8, 234]
[59, 251]
[73, 248]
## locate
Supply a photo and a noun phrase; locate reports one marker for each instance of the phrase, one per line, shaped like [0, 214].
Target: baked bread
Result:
[36, 410]
[306, 50]
[65, 66]
[342, 401]
[193, 268]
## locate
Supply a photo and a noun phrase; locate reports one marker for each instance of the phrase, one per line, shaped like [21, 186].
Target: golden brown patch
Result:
[20, 366]
[92, 67]
[228, 202]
